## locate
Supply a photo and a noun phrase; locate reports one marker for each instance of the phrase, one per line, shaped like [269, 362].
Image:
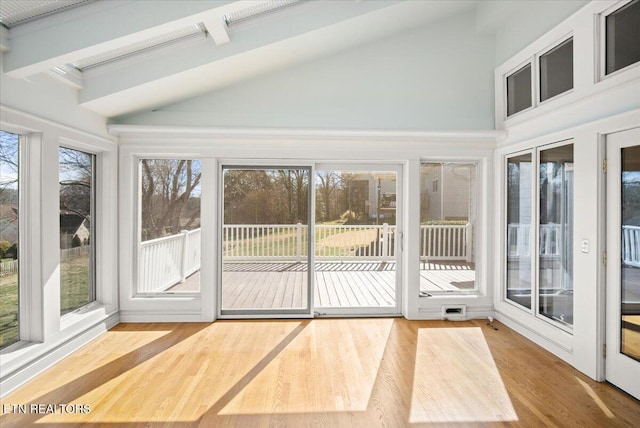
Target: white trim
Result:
[600, 43]
[141, 133]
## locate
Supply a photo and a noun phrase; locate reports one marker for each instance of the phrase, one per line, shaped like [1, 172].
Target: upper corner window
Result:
[556, 70]
[622, 37]
[519, 90]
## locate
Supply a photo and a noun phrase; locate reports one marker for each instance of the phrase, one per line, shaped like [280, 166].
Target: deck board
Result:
[278, 285]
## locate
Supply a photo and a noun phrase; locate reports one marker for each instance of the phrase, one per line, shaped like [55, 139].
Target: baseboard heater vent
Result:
[454, 312]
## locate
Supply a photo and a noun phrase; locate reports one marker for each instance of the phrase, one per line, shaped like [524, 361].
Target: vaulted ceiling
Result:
[127, 56]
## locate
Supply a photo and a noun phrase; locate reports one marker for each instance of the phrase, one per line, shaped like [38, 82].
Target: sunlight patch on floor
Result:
[596, 399]
[335, 378]
[456, 379]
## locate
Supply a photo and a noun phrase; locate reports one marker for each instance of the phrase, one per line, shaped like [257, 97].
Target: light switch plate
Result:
[585, 246]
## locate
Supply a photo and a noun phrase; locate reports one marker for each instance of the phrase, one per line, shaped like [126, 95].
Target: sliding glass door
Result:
[357, 239]
[265, 241]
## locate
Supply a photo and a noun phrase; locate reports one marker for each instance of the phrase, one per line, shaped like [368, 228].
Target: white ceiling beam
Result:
[63, 38]
[203, 54]
[68, 75]
[313, 30]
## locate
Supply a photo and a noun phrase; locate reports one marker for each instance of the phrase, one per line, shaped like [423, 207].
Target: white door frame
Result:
[396, 167]
[620, 369]
[265, 313]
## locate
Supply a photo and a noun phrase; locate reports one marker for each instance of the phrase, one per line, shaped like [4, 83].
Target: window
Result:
[539, 236]
[556, 70]
[519, 90]
[169, 251]
[622, 37]
[555, 234]
[9, 239]
[77, 231]
[447, 220]
[519, 238]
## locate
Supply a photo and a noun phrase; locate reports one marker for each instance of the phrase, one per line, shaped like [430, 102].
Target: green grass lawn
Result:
[8, 310]
[74, 291]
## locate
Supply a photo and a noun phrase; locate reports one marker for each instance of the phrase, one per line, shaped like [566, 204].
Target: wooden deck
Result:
[281, 285]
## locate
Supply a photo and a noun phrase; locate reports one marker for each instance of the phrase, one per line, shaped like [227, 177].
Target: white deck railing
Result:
[631, 246]
[8, 267]
[519, 240]
[446, 242]
[166, 261]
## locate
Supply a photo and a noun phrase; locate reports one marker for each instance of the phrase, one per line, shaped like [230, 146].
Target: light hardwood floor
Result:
[381, 372]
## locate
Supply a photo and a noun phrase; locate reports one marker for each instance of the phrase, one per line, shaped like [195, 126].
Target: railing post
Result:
[299, 242]
[183, 268]
[384, 241]
[468, 242]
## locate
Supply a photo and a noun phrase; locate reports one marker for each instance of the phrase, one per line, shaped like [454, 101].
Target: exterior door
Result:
[623, 267]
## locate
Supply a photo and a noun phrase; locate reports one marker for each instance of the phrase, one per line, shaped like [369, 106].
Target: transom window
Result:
[519, 90]
[622, 37]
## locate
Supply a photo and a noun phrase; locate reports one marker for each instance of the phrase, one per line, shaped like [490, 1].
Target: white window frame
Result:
[480, 288]
[505, 96]
[534, 232]
[44, 332]
[601, 45]
[138, 225]
[537, 58]
[534, 311]
[97, 206]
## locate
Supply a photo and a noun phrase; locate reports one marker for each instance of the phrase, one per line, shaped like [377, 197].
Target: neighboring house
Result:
[9, 223]
[71, 226]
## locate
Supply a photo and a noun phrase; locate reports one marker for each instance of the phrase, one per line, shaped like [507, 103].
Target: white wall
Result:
[526, 21]
[433, 78]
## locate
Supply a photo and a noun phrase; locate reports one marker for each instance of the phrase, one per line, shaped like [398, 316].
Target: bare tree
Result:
[170, 196]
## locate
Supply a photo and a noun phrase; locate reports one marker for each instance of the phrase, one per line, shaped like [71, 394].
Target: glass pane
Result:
[447, 223]
[556, 234]
[355, 239]
[622, 37]
[556, 70]
[630, 310]
[265, 239]
[9, 239]
[519, 243]
[169, 253]
[77, 278]
[519, 90]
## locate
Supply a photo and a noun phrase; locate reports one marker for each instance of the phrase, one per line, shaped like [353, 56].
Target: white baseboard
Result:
[552, 346]
[158, 316]
[23, 374]
[472, 313]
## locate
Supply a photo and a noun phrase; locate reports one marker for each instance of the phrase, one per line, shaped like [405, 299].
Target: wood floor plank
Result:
[325, 372]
